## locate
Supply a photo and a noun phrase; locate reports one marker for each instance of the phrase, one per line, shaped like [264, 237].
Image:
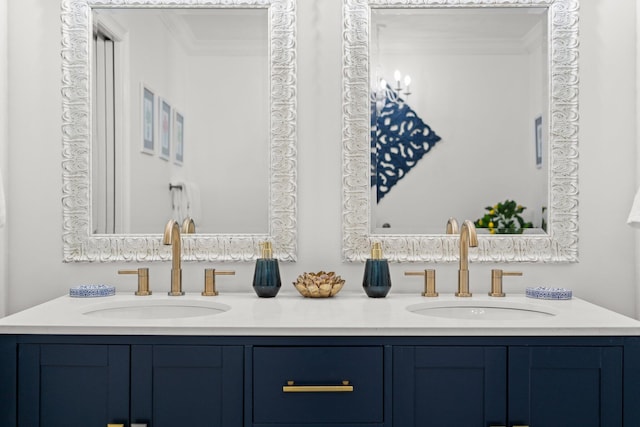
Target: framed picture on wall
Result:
[178, 129]
[148, 112]
[164, 122]
[538, 139]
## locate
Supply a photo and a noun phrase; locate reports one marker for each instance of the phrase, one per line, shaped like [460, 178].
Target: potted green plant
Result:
[503, 218]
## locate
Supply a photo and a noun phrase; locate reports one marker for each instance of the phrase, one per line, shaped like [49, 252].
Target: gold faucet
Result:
[452, 226]
[468, 238]
[172, 237]
[188, 226]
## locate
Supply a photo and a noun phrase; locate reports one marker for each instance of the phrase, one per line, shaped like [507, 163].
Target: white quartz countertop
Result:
[292, 315]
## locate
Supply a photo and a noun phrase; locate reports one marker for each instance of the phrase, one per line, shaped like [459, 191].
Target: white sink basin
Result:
[482, 310]
[155, 309]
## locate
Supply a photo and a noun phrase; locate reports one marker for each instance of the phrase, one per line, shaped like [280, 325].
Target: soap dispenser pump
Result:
[266, 278]
[377, 279]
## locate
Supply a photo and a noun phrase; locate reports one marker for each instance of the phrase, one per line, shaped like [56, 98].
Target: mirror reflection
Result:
[459, 113]
[181, 108]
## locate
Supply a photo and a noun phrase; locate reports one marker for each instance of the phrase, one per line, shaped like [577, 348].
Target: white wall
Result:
[4, 133]
[605, 274]
[637, 277]
[158, 68]
[223, 99]
[229, 125]
[484, 120]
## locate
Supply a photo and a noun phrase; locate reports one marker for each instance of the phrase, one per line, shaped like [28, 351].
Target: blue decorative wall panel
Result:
[399, 139]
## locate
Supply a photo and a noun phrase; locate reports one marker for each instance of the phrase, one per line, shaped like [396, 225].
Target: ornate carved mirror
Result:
[178, 109]
[464, 109]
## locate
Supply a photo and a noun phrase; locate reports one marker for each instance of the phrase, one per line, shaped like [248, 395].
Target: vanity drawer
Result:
[306, 400]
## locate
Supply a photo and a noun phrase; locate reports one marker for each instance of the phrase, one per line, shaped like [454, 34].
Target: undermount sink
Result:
[155, 309]
[482, 310]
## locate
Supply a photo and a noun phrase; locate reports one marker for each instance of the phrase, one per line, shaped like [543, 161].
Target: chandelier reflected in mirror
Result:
[382, 92]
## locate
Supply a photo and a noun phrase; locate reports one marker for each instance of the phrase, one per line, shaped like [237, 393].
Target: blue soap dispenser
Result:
[377, 279]
[266, 278]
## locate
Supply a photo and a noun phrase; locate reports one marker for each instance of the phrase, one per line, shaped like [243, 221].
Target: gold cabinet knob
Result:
[429, 281]
[210, 281]
[143, 280]
[496, 284]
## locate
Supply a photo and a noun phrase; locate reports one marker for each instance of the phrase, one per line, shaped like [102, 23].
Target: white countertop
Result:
[343, 315]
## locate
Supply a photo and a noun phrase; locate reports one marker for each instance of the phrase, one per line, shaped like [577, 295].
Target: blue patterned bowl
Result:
[92, 291]
[542, 292]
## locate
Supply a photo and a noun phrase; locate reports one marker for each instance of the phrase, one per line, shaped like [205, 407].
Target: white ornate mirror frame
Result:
[78, 241]
[560, 244]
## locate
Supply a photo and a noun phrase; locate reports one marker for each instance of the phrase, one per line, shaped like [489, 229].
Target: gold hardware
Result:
[115, 425]
[266, 249]
[376, 251]
[210, 281]
[496, 281]
[452, 226]
[468, 239]
[429, 281]
[172, 237]
[143, 280]
[188, 226]
[292, 388]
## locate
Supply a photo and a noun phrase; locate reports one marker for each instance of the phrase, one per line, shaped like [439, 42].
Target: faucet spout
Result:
[452, 226]
[172, 237]
[468, 238]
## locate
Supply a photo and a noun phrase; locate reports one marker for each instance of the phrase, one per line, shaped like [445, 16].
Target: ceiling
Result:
[203, 31]
[507, 27]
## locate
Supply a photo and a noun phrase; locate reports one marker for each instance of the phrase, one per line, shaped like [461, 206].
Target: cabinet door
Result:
[564, 386]
[194, 386]
[72, 385]
[449, 386]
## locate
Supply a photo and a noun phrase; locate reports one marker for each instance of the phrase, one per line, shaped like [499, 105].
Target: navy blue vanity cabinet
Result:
[187, 385]
[550, 386]
[72, 385]
[214, 381]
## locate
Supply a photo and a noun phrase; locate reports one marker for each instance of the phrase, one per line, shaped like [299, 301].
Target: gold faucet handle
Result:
[210, 280]
[143, 280]
[429, 281]
[496, 281]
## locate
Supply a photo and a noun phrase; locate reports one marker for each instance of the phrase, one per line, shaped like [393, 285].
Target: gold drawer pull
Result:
[292, 388]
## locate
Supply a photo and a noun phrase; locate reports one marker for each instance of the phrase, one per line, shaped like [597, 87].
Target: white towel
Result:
[177, 206]
[3, 204]
[634, 215]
